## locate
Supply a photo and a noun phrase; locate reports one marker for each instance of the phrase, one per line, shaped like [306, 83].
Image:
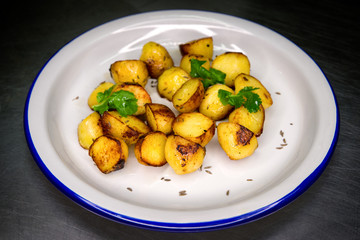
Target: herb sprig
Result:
[122, 101]
[209, 77]
[245, 96]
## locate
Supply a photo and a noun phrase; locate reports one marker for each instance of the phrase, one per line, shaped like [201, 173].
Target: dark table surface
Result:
[32, 208]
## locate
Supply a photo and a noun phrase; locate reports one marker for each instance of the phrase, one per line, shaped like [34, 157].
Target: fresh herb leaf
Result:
[122, 101]
[245, 96]
[209, 77]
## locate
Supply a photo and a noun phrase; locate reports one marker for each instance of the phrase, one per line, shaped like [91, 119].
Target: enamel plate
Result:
[299, 136]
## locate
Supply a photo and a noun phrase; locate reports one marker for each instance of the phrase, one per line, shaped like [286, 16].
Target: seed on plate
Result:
[207, 171]
[281, 133]
[279, 147]
[227, 192]
[182, 193]
[249, 179]
[129, 188]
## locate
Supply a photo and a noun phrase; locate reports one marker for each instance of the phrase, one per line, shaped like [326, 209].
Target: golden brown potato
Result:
[232, 64]
[211, 105]
[89, 129]
[195, 127]
[150, 149]
[170, 81]
[253, 121]
[129, 71]
[129, 128]
[92, 100]
[157, 58]
[183, 156]
[109, 153]
[140, 93]
[185, 62]
[244, 80]
[189, 96]
[159, 117]
[202, 46]
[237, 141]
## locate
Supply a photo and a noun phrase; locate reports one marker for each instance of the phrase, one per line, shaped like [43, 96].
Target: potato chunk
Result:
[89, 129]
[231, 63]
[129, 128]
[237, 141]
[170, 81]
[195, 127]
[183, 156]
[159, 117]
[157, 59]
[244, 80]
[203, 46]
[129, 71]
[109, 153]
[140, 93]
[150, 149]
[185, 62]
[211, 106]
[92, 100]
[253, 121]
[189, 96]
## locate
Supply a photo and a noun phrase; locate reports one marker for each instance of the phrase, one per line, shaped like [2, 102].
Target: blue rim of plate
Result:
[180, 227]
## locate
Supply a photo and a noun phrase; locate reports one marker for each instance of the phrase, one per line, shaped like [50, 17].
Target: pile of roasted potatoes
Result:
[178, 138]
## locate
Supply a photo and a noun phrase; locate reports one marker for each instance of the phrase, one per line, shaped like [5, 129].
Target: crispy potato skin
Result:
[185, 62]
[202, 46]
[232, 63]
[140, 93]
[92, 100]
[253, 121]
[244, 80]
[189, 96]
[150, 149]
[211, 105]
[171, 80]
[89, 129]
[195, 127]
[129, 128]
[159, 117]
[156, 58]
[183, 156]
[129, 71]
[109, 153]
[237, 141]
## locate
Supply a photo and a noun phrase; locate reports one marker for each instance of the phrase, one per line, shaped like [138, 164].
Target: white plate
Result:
[237, 192]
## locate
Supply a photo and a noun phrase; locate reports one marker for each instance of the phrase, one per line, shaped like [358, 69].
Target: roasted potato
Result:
[189, 96]
[159, 117]
[253, 121]
[150, 149]
[170, 81]
[244, 80]
[185, 62]
[109, 153]
[129, 128]
[237, 141]
[92, 100]
[183, 156]
[232, 64]
[129, 71]
[203, 46]
[89, 129]
[211, 105]
[195, 127]
[140, 93]
[157, 58]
